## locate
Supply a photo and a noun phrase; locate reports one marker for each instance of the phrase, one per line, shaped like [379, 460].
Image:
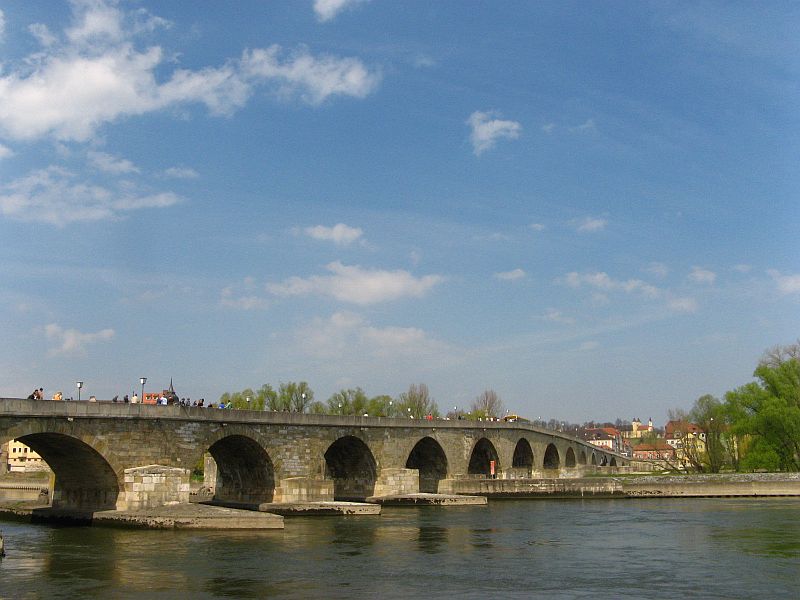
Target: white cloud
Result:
[658, 269]
[585, 127]
[42, 34]
[701, 275]
[601, 281]
[5, 152]
[548, 127]
[682, 305]
[326, 10]
[510, 275]
[340, 234]
[72, 341]
[556, 316]
[591, 224]
[98, 76]
[347, 334]
[486, 130]
[181, 173]
[787, 284]
[314, 79]
[587, 346]
[742, 268]
[53, 196]
[229, 299]
[111, 164]
[537, 227]
[357, 285]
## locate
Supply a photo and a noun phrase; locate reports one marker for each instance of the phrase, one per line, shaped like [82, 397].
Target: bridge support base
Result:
[151, 486]
[397, 482]
[303, 489]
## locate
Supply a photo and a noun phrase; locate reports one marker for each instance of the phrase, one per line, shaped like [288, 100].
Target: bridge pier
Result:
[152, 486]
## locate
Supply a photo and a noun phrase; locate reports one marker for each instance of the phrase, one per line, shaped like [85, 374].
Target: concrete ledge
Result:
[423, 499]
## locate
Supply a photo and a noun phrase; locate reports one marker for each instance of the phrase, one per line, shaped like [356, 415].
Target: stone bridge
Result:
[130, 456]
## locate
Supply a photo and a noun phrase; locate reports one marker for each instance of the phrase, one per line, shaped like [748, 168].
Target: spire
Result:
[171, 389]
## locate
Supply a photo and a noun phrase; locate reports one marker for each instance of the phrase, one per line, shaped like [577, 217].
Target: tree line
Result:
[756, 426]
[415, 402]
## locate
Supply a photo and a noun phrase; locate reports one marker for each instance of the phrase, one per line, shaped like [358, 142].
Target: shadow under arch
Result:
[551, 458]
[483, 453]
[569, 459]
[594, 459]
[349, 462]
[84, 480]
[429, 458]
[582, 457]
[613, 462]
[245, 472]
[523, 457]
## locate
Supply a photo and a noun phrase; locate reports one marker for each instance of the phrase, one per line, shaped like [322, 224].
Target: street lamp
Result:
[248, 403]
[409, 412]
[80, 385]
[340, 408]
[142, 380]
[390, 409]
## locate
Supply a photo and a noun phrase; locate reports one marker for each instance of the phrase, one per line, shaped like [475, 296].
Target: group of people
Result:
[38, 394]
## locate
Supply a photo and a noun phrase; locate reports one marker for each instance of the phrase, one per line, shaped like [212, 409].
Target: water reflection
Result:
[431, 539]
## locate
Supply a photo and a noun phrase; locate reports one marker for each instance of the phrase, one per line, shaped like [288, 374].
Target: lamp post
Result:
[340, 408]
[142, 380]
[409, 412]
[248, 403]
[303, 396]
[389, 412]
[80, 385]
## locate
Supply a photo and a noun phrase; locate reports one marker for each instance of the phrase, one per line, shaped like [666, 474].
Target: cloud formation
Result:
[591, 224]
[97, 75]
[510, 275]
[602, 281]
[701, 275]
[357, 285]
[326, 10]
[54, 195]
[73, 342]
[487, 130]
[340, 234]
[111, 164]
[787, 284]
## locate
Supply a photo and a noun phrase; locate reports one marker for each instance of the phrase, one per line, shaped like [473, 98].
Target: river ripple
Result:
[648, 548]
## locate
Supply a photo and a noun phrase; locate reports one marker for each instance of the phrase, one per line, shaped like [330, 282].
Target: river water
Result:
[648, 548]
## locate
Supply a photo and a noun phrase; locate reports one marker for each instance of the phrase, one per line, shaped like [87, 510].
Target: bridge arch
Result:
[523, 457]
[582, 457]
[84, 479]
[552, 460]
[245, 472]
[594, 459]
[569, 458]
[429, 458]
[613, 462]
[480, 459]
[351, 465]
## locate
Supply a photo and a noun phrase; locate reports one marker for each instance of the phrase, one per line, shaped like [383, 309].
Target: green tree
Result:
[487, 404]
[348, 402]
[417, 402]
[294, 396]
[709, 414]
[380, 406]
[767, 413]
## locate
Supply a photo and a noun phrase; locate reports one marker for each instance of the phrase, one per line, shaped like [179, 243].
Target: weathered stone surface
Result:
[97, 449]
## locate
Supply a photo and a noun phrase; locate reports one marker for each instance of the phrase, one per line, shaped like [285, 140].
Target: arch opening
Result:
[429, 458]
[523, 457]
[349, 462]
[594, 459]
[83, 478]
[582, 457]
[569, 459]
[551, 458]
[613, 462]
[244, 471]
[603, 460]
[481, 458]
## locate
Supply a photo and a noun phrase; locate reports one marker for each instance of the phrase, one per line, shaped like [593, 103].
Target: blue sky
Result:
[590, 208]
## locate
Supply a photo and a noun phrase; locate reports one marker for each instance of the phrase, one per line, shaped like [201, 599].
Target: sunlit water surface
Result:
[654, 548]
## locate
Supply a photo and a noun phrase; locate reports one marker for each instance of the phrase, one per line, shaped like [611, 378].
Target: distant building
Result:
[638, 430]
[688, 440]
[604, 437]
[21, 458]
[658, 450]
[152, 397]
